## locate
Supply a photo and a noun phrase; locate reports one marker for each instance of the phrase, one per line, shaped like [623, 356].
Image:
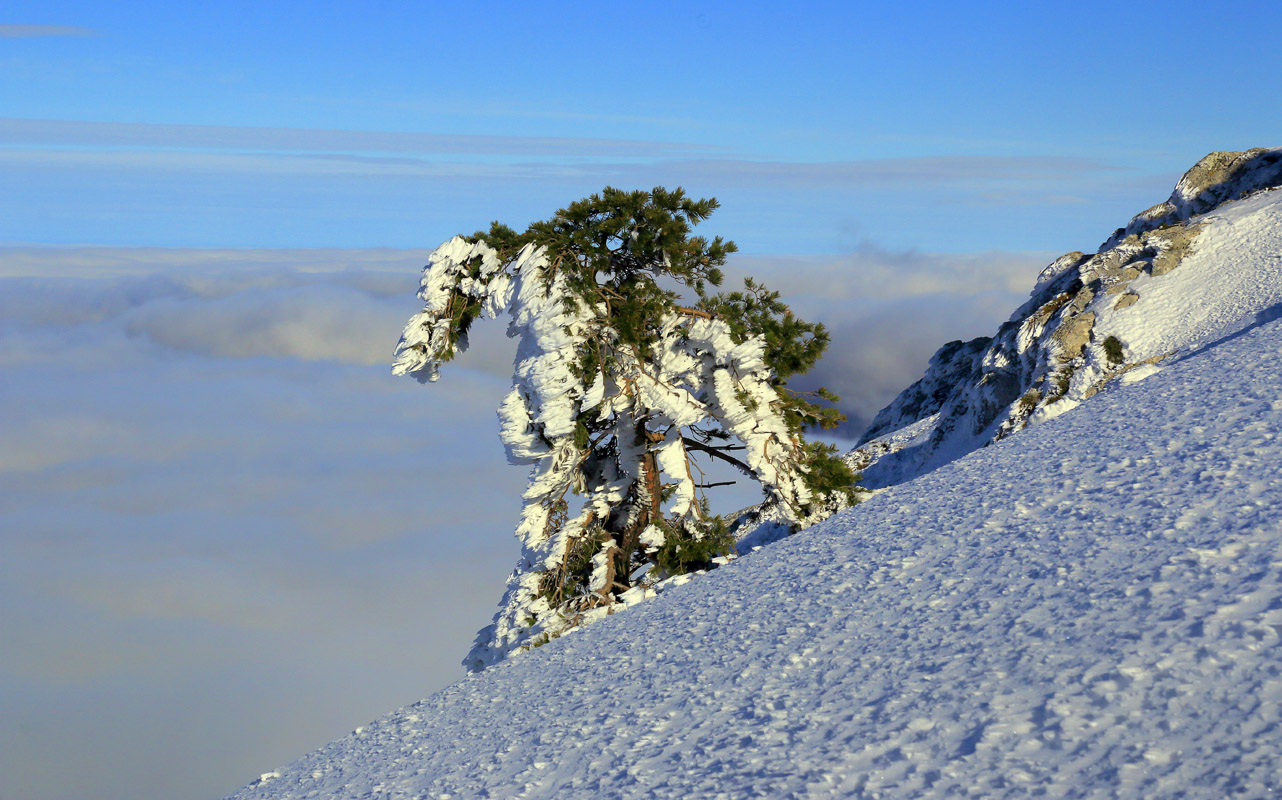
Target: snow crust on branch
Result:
[425, 342]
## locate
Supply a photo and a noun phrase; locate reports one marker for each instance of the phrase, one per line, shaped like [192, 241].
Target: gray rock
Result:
[1219, 177]
[1127, 300]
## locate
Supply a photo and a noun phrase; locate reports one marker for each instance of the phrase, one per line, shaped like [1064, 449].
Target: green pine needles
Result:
[615, 246]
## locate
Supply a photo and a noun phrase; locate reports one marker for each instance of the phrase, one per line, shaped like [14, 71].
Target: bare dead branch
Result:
[703, 448]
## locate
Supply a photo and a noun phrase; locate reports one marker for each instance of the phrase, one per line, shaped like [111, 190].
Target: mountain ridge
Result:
[1155, 286]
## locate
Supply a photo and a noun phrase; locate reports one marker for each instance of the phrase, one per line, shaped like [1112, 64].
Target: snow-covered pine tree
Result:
[616, 385]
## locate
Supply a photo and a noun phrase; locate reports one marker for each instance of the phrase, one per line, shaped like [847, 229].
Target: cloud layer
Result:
[887, 311]
[62, 133]
[133, 183]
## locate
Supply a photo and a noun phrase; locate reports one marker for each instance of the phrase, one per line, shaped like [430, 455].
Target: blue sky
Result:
[227, 534]
[817, 125]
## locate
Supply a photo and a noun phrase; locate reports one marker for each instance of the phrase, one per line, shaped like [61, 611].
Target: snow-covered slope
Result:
[1091, 608]
[1208, 256]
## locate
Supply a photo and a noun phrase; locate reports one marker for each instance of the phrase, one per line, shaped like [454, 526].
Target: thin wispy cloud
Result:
[281, 164]
[184, 184]
[977, 174]
[895, 171]
[193, 264]
[34, 31]
[46, 132]
[509, 111]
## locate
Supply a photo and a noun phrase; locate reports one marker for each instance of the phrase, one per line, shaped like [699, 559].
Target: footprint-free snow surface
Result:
[1091, 608]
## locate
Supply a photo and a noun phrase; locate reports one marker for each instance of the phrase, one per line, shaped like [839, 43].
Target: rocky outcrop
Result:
[1049, 356]
[1219, 178]
[951, 364]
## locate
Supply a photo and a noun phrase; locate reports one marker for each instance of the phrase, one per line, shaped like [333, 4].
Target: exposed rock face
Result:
[951, 364]
[1220, 177]
[1048, 356]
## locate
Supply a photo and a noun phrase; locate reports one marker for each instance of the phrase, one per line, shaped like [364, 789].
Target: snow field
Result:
[1091, 608]
[1233, 272]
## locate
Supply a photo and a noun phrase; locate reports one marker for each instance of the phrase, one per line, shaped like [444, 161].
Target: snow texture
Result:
[1090, 608]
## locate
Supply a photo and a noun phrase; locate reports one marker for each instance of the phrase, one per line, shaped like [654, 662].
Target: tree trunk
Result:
[649, 491]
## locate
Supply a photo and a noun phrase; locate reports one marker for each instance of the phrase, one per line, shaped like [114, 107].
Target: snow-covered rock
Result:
[1177, 275]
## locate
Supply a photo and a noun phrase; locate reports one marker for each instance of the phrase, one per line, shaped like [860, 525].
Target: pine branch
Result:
[724, 447]
[702, 448]
[694, 312]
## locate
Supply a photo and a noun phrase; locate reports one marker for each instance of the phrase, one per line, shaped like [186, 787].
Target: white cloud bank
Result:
[887, 311]
[312, 323]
